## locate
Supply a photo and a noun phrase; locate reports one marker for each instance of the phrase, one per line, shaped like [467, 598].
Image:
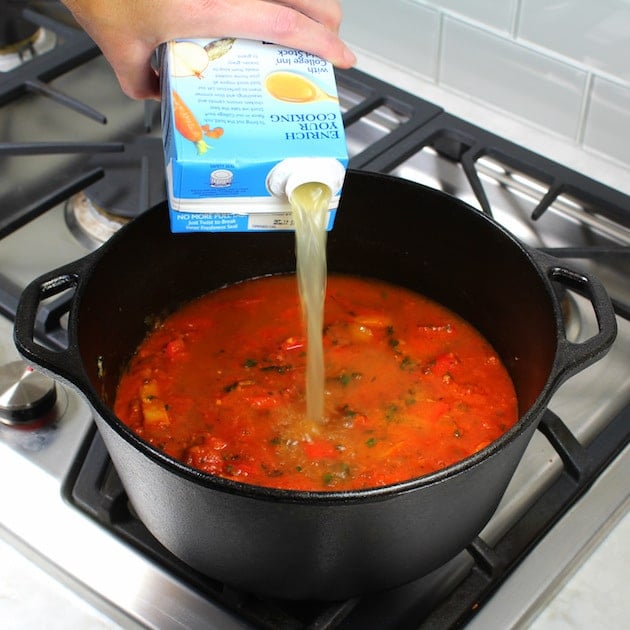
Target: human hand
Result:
[128, 32]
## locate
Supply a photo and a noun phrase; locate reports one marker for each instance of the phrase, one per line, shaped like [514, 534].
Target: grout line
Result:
[515, 22]
[440, 47]
[584, 108]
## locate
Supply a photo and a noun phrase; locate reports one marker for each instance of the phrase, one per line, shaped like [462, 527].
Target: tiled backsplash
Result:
[563, 66]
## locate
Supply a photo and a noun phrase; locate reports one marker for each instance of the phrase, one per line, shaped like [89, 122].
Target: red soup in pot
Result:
[410, 387]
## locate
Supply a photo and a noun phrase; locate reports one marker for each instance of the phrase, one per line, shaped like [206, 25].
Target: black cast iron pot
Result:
[324, 545]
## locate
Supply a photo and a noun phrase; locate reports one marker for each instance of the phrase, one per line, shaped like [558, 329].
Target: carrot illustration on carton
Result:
[189, 126]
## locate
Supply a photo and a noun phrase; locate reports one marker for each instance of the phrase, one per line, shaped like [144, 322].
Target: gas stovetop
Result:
[71, 177]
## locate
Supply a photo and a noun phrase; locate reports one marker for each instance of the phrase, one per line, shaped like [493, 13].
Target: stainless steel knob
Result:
[26, 396]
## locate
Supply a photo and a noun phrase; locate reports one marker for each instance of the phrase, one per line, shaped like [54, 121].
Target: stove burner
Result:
[90, 224]
[133, 183]
[27, 397]
[14, 27]
[15, 53]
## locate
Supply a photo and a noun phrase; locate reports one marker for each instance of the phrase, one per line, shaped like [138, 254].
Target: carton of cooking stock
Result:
[243, 122]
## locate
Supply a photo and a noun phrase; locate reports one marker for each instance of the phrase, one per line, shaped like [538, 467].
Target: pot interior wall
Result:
[386, 228]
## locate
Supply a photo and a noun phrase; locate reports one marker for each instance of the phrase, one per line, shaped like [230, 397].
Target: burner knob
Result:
[26, 396]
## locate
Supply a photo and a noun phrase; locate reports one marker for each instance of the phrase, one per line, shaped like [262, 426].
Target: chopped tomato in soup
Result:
[410, 387]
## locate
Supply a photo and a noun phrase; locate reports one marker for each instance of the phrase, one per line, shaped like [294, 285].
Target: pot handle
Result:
[63, 363]
[573, 357]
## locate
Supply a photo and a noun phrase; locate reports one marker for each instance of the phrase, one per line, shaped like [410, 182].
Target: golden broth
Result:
[309, 203]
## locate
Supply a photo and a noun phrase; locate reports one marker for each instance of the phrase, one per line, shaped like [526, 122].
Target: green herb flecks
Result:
[237, 384]
[392, 341]
[408, 364]
[346, 378]
[280, 369]
[391, 412]
[341, 472]
[347, 412]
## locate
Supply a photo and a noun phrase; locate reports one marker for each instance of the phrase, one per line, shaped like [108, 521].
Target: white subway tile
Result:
[607, 128]
[594, 33]
[398, 31]
[511, 77]
[496, 13]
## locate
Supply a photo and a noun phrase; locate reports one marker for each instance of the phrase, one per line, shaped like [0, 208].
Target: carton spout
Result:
[288, 174]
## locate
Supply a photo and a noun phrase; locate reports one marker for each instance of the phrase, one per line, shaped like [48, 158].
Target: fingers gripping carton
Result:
[243, 120]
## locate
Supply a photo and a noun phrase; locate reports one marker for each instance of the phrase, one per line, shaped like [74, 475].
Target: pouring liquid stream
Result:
[309, 204]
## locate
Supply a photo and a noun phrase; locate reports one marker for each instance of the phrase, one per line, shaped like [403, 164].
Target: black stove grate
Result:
[466, 143]
[373, 94]
[73, 48]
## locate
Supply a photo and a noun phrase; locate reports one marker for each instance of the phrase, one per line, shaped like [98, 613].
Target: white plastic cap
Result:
[287, 175]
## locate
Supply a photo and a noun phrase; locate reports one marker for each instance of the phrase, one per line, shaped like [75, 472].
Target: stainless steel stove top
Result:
[35, 516]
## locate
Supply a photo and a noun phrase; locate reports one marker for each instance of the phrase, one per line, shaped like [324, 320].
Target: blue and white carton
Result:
[242, 122]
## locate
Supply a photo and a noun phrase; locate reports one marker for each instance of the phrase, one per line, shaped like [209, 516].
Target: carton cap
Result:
[287, 175]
